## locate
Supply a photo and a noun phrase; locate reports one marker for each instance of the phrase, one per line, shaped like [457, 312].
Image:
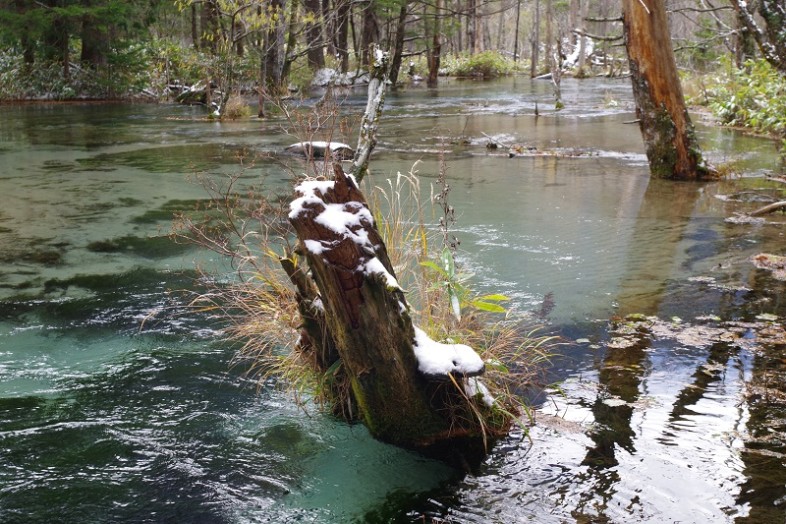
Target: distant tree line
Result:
[276, 34]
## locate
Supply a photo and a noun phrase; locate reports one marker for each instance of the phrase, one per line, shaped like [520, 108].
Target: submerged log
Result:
[769, 208]
[320, 149]
[408, 389]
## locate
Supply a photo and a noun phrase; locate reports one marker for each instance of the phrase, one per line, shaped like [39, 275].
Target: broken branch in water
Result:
[769, 208]
[496, 141]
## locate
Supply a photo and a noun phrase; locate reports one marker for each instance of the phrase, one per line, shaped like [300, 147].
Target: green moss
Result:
[167, 211]
[147, 247]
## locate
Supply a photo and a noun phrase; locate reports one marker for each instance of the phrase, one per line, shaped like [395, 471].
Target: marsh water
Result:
[119, 404]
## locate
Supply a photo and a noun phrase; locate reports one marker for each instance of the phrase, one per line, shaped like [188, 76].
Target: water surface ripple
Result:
[118, 403]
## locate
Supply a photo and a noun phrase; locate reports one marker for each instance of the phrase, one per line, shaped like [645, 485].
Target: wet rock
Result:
[774, 263]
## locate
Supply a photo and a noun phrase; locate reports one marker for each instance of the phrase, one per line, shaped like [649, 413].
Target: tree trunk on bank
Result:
[370, 34]
[671, 144]
[434, 53]
[744, 44]
[535, 42]
[341, 37]
[771, 39]
[315, 52]
[95, 40]
[194, 31]
[272, 63]
[291, 44]
[209, 24]
[398, 50]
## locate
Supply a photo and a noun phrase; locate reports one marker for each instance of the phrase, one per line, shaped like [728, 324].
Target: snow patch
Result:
[436, 358]
[473, 387]
[375, 267]
[309, 190]
[315, 247]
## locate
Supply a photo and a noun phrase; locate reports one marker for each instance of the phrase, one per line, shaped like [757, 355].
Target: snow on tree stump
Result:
[408, 389]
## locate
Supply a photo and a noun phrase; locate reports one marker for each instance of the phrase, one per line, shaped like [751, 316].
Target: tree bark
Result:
[367, 136]
[744, 43]
[291, 44]
[209, 24]
[533, 66]
[271, 66]
[95, 41]
[669, 137]
[194, 31]
[516, 35]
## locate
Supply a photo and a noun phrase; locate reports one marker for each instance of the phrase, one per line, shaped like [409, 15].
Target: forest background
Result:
[731, 54]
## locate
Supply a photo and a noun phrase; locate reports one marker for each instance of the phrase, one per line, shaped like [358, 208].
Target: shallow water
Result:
[118, 404]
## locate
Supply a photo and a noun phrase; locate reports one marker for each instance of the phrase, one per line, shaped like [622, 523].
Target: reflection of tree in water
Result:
[661, 222]
[764, 455]
[712, 371]
[620, 377]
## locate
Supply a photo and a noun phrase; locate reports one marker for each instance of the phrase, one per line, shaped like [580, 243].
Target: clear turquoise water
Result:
[118, 404]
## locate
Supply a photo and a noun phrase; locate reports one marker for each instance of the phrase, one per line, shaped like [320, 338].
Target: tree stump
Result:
[406, 388]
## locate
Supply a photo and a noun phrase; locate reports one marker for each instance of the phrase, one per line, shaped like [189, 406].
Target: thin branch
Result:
[598, 37]
[602, 19]
[701, 10]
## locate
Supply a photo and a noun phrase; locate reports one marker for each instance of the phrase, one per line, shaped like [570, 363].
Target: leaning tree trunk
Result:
[671, 144]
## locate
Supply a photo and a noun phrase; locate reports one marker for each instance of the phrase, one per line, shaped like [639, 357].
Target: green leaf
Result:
[454, 303]
[488, 306]
[448, 265]
[433, 265]
[496, 297]
[497, 365]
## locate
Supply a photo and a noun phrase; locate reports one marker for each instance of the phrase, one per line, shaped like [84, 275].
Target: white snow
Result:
[473, 387]
[379, 57]
[317, 303]
[308, 189]
[573, 58]
[436, 358]
[375, 267]
[315, 247]
[319, 144]
[341, 218]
